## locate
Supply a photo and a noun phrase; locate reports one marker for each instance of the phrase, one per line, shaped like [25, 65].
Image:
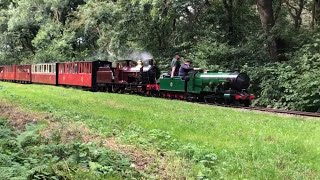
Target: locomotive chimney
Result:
[151, 62]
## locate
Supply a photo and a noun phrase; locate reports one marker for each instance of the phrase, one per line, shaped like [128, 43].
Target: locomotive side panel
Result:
[174, 84]
[104, 75]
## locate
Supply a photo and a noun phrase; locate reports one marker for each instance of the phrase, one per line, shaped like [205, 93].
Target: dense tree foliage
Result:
[277, 42]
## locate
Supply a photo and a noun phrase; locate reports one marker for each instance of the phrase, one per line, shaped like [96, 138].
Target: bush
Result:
[290, 85]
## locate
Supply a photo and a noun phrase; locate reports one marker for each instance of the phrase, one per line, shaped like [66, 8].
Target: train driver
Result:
[175, 65]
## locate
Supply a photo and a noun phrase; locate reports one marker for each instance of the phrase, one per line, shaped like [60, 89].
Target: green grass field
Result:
[203, 141]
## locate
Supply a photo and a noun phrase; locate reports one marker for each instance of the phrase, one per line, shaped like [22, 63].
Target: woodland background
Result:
[276, 41]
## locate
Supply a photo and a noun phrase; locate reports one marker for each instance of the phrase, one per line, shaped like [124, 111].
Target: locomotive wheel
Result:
[236, 103]
[227, 101]
[110, 88]
[246, 103]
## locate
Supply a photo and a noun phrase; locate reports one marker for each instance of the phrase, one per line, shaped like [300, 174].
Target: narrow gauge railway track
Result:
[131, 76]
[279, 111]
[270, 110]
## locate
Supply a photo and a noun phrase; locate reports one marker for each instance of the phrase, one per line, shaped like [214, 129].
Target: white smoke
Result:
[135, 56]
[144, 56]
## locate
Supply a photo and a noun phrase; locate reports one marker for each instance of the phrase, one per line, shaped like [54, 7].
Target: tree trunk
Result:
[313, 14]
[295, 12]
[267, 20]
[228, 6]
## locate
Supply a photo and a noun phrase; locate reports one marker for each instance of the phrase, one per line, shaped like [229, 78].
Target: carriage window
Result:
[50, 68]
[89, 68]
[69, 68]
[76, 68]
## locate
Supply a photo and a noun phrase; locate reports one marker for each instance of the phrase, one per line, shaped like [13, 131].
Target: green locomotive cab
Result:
[211, 87]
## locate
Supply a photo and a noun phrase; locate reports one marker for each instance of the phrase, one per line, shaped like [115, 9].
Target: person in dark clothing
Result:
[175, 65]
[183, 71]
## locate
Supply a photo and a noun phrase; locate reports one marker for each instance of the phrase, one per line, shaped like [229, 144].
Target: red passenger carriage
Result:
[82, 74]
[23, 73]
[44, 73]
[9, 72]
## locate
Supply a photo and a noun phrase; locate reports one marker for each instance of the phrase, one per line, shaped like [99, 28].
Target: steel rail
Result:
[271, 110]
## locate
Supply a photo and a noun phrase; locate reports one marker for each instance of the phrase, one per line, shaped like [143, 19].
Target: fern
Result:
[25, 155]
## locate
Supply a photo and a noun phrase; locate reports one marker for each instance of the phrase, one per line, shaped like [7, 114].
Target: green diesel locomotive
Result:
[210, 87]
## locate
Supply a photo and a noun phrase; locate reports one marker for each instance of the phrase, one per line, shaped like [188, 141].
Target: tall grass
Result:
[244, 144]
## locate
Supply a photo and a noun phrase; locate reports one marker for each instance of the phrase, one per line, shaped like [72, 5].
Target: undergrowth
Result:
[27, 155]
